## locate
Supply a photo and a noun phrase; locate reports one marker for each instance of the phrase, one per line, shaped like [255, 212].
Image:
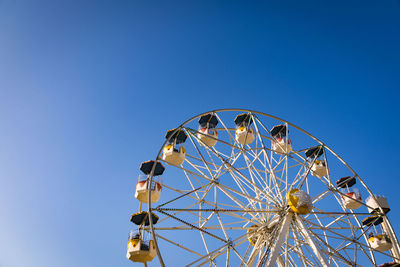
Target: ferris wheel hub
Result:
[299, 201]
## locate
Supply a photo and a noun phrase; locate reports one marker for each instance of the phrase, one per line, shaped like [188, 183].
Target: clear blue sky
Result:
[88, 89]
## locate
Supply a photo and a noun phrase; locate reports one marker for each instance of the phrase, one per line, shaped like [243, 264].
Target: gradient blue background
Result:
[88, 89]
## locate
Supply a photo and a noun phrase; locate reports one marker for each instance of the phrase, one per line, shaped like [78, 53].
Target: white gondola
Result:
[175, 152]
[351, 198]
[319, 168]
[318, 165]
[139, 249]
[143, 189]
[207, 134]
[280, 143]
[280, 146]
[143, 186]
[380, 242]
[244, 135]
[374, 204]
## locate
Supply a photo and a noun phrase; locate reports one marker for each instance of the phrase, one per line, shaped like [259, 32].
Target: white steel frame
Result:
[222, 210]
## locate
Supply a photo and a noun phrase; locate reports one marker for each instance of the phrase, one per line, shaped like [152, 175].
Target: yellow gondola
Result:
[140, 249]
[380, 242]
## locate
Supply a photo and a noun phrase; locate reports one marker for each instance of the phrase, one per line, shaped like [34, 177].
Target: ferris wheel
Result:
[244, 188]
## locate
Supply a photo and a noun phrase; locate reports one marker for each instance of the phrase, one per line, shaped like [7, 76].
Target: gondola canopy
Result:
[390, 264]
[142, 217]
[314, 152]
[372, 220]
[346, 181]
[279, 130]
[208, 120]
[244, 119]
[178, 135]
[147, 166]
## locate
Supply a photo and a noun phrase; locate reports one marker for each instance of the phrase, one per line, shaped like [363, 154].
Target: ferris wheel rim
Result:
[181, 126]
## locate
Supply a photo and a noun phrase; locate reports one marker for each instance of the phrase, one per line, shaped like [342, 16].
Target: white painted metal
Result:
[387, 227]
[281, 237]
[311, 242]
[260, 243]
